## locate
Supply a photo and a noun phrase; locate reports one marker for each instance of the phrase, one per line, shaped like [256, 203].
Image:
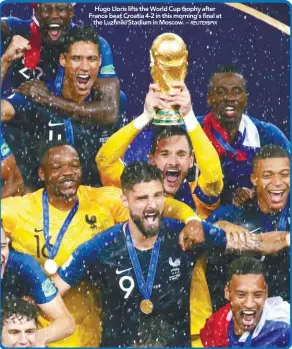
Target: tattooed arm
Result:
[234, 239]
[240, 240]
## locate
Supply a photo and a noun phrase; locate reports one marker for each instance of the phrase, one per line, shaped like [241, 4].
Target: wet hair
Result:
[138, 172]
[18, 309]
[245, 265]
[168, 131]
[45, 146]
[223, 69]
[77, 34]
[268, 152]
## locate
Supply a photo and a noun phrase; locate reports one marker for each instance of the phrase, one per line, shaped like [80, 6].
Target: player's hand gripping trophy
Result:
[168, 66]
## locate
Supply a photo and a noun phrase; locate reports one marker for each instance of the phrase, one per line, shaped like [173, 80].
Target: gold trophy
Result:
[168, 66]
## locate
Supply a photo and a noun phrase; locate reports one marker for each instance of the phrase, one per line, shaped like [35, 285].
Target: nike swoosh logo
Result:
[55, 124]
[121, 271]
[37, 230]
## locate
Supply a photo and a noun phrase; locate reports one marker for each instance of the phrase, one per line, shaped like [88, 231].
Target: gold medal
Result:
[51, 266]
[146, 306]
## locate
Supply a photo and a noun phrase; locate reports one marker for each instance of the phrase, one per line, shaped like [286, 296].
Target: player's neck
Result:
[61, 203]
[139, 240]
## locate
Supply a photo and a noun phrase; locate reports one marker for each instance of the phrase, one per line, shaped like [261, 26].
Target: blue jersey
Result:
[5, 151]
[23, 276]
[48, 64]
[105, 261]
[237, 173]
[277, 266]
[33, 124]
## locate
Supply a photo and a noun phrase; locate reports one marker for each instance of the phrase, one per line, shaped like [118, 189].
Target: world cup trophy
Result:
[168, 56]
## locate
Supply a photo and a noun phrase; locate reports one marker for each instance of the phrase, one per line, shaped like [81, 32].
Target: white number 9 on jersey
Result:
[127, 284]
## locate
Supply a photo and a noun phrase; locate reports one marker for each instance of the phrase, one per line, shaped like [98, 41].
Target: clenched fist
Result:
[16, 49]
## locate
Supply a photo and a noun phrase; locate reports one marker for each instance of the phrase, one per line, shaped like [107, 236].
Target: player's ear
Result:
[192, 160]
[124, 200]
[267, 291]
[62, 60]
[253, 179]
[151, 159]
[226, 293]
[209, 101]
[71, 12]
[41, 174]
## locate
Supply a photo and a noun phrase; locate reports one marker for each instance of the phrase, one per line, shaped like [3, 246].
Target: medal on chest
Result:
[146, 305]
[50, 265]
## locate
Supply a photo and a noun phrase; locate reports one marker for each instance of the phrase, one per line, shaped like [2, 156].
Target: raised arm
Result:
[103, 110]
[62, 326]
[109, 158]
[16, 49]
[211, 177]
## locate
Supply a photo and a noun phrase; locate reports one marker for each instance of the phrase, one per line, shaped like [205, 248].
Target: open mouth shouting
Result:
[82, 80]
[230, 111]
[276, 195]
[248, 319]
[151, 217]
[172, 176]
[55, 31]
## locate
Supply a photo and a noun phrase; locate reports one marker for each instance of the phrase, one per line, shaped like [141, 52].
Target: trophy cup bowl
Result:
[168, 67]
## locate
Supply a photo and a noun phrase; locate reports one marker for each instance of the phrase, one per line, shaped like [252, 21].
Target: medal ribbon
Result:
[46, 225]
[282, 221]
[145, 289]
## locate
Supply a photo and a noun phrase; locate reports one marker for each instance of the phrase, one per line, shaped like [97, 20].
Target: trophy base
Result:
[167, 118]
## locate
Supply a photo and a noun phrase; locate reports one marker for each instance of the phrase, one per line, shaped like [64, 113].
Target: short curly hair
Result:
[77, 34]
[18, 309]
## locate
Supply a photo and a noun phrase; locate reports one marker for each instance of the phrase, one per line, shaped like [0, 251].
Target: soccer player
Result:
[22, 277]
[142, 270]
[50, 224]
[127, 301]
[81, 61]
[44, 32]
[235, 135]
[11, 179]
[250, 319]
[19, 323]
[269, 211]
[172, 152]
